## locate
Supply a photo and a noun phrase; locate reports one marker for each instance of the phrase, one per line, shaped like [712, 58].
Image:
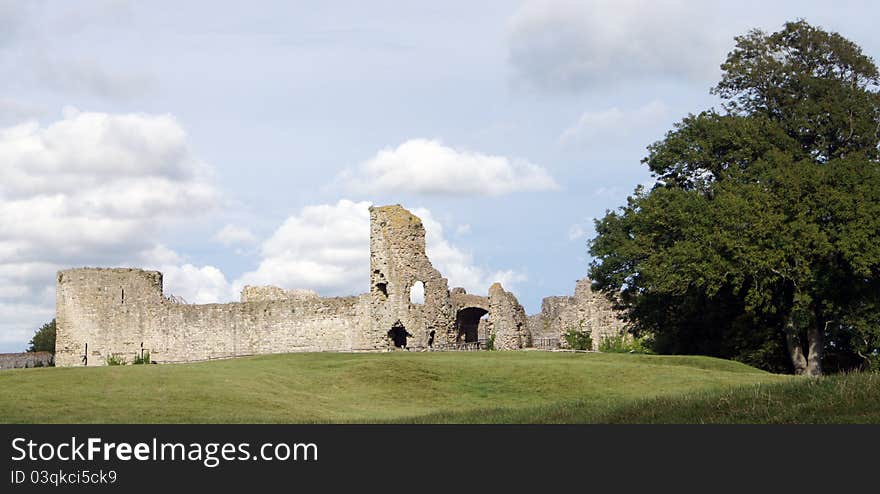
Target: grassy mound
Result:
[395, 387]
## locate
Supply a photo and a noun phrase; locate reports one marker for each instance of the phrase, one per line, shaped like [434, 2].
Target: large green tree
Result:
[760, 240]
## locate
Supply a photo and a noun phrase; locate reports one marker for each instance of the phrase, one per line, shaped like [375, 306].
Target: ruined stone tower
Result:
[398, 264]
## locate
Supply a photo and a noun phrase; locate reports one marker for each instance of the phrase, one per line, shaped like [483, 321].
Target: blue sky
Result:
[240, 143]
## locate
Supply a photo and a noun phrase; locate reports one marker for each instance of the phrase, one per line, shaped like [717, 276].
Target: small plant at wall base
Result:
[578, 340]
[141, 359]
[624, 344]
[115, 360]
[490, 342]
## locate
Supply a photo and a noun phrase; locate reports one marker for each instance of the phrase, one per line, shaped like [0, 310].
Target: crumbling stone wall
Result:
[267, 293]
[26, 360]
[103, 312]
[122, 312]
[586, 311]
[507, 320]
[461, 299]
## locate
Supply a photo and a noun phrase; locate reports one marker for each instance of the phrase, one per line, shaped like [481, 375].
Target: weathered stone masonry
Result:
[123, 312]
[25, 360]
[586, 311]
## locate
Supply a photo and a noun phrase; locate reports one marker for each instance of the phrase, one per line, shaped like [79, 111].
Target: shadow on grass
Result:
[840, 399]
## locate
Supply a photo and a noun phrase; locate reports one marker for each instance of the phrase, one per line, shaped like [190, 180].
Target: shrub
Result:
[115, 360]
[623, 343]
[578, 340]
[141, 359]
[490, 343]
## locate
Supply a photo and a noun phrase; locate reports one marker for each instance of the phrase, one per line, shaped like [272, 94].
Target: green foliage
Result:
[115, 360]
[578, 339]
[623, 343]
[613, 344]
[761, 237]
[44, 338]
[490, 342]
[141, 359]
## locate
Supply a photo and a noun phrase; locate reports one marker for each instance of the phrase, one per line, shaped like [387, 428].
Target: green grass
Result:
[839, 399]
[467, 387]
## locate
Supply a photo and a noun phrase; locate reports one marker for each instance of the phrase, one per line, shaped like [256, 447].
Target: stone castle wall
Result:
[271, 293]
[25, 360]
[586, 311]
[507, 320]
[103, 312]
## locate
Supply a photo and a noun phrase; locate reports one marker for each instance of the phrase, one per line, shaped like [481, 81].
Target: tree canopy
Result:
[44, 338]
[760, 240]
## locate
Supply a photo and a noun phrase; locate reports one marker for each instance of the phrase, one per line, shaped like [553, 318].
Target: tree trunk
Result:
[795, 351]
[815, 345]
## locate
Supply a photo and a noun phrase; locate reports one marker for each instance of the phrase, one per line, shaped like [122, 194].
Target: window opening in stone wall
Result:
[122, 297]
[383, 289]
[417, 293]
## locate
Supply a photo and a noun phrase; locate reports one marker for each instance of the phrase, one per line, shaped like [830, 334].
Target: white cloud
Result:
[18, 321]
[94, 184]
[234, 235]
[602, 125]
[458, 265]
[159, 255]
[324, 248]
[429, 167]
[327, 248]
[197, 285]
[575, 44]
[577, 231]
[89, 189]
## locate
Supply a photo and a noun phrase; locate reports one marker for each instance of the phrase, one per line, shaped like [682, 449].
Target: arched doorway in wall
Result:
[398, 334]
[467, 323]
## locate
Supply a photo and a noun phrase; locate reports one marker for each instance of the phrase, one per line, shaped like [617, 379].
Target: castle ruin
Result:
[122, 312]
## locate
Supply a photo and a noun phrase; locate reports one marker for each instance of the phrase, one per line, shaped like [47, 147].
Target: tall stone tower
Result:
[398, 263]
[92, 303]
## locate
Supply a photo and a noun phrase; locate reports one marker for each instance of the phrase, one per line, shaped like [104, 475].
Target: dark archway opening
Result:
[398, 334]
[467, 323]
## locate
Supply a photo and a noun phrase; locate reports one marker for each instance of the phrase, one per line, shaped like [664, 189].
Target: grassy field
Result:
[396, 387]
[478, 387]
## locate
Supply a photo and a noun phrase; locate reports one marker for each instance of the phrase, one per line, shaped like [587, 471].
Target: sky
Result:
[235, 143]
